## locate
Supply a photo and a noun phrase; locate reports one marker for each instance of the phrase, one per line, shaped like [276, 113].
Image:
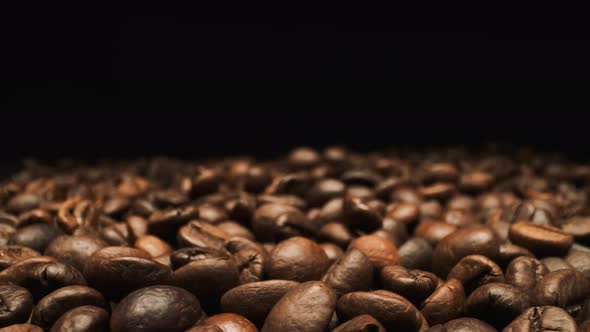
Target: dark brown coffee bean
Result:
[408, 213]
[50, 308]
[76, 212]
[561, 288]
[431, 209]
[463, 325]
[83, 319]
[211, 214]
[332, 211]
[438, 190]
[153, 245]
[475, 181]
[166, 223]
[9, 255]
[307, 307]
[208, 279]
[74, 250]
[241, 208]
[541, 240]
[524, 272]
[303, 157]
[556, 263]
[255, 300]
[580, 260]
[336, 233]
[357, 214]
[22, 203]
[231, 323]
[362, 323]
[545, 318]
[394, 231]
[360, 177]
[37, 216]
[459, 217]
[297, 259]
[414, 285]
[393, 311]
[497, 304]
[36, 236]
[380, 251]
[200, 234]
[156, 308]
[578, 227]
[183, 256]
[445, 303]
[332, 251]
[251, 264]
[509, 251]
[234, 229]
[21, 328]
[204, 181]
[434, 231]
[416, 253]
[208, 328]
[352, 272]
[325, 190]
[6, 232]
[474, 271]
[16, 304]
[116, 271]
[473, 240]
[41, 275]
[275, 222]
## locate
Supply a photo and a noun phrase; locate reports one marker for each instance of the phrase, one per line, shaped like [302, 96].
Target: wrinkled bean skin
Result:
[391, 310]
[255, 300]
[561, 288]
[352, 272]
[362, 323]
[307, 307]
[156, 308]
[497, 303]
[525, 272]
[414, 285]
[16, 304]
[476, 270]
[83, 319]
[544, 318]
[56, 303]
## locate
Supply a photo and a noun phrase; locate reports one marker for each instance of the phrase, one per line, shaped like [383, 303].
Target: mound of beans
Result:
[319, 240]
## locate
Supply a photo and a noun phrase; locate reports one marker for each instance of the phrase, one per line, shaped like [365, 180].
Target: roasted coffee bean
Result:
[578, 227]
[50, 308]
[6, 232]
[37, 216]
[509, 251]
[393, 311]
[275, 222]
[35, 236]
[74, 250]
[156, 308]
[475, 181]
[183, 256]
[297, 259]
[524, 272]
[414, 285]
[303, 157]
[208, 328]
[434, 231]
[116, 271]
[165, 223]
[556, 263]
[474, 240]
[380, 251]
[463, 325]
[307, 307]
[325, 190]
[153, 245]
[41, 275]
[251, 264]
[445, 303]
[394, 231]
[431, 209]
[234, 229]
[208, 279]
[12, 254]
[336, 233]
[459, 217]
[416, 253]
[545, 318]
[408, 213]
[16, 304]
[21, 328]
[255, 300]
[474, 271]
[22, 203]
[540, 239]
[497, 303]
[438, 190]
[332, 251]
[83, 319]
[231, 323]
[211, 214]
[580, 260]
[241, 208]
[352, 272]
[200, 234]
[562, 288]
[357, 214]
[362, 323]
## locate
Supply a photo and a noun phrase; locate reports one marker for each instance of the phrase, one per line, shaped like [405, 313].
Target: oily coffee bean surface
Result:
[494, 239]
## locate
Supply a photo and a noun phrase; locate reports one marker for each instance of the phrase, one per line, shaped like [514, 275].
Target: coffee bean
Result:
[474, 240]
[275, 222]
[12, 254]
[524, 272]
[474, 271]
[50, 308]
[325, 190]
[556, 263]
[297, 259]
[307, 307]
[336, 233]
[543, 318]
[362, 323]
[463, 325]
[561, 288]
[394, 231]
[541, 240]
[416, 253]
[357, 214]
[22, 203]
[116, 271]
[84, 318]
[164, 223]
[21, 328]
[580, 260]
[234, 229]
[393, 311]
[6, 232]
[208, 328]
[380, 251]
[200, 234]
[332, 251]
[509, 251]
[497, 303]
[153, 245]
[16, 304]
[578, 227]
[74, 250]
[434, 231]
[352, 272]
[414, 285]
[35, 236]
[445, 303]
[156, 308]
[231, 323]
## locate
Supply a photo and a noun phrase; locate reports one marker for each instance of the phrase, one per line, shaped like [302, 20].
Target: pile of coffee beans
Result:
[320, 240]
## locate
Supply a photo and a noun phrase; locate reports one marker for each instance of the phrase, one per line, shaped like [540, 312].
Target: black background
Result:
[150, 85]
